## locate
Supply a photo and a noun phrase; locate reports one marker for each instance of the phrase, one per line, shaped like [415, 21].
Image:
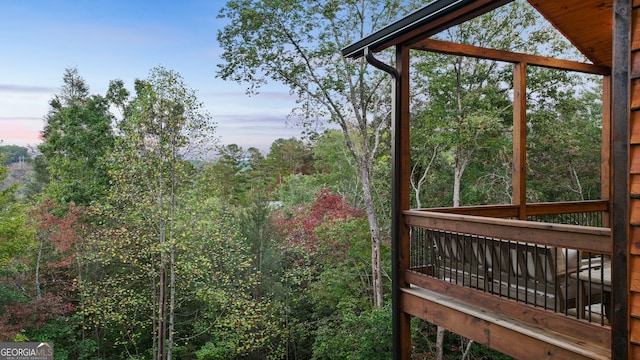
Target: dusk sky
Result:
[125, 39]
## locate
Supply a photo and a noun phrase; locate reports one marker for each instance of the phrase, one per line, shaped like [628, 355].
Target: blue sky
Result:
[124, 39]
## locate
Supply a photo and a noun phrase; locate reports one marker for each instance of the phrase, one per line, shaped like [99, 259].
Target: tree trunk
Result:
[467, 350]
[376, 266]
[162, 293]
[162, 313]
[38, 261]
[417, 185]
[461, 162]
[439, 343]
[172, 300]
[457, 178]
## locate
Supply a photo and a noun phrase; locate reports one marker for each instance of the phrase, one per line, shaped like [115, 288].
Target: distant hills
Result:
[17, 173]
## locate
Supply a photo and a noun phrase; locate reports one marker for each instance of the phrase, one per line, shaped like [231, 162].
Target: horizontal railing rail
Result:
[585, 208]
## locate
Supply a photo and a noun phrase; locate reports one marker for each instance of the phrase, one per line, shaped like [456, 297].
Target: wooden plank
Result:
[495, 211]
[634, 273]
[592, 239]
[634, 330]
[538, 209]
[586, 24]
[634, 159]
[635, 128]
[450, 48]
[635, 94]
[597, 335]
[634, 185]
[635, 240]
[620, 123]
[634, 305]
[556, 208]
[634, 211]
[496, 330]
[635, 35]
[401, 201]
[635, 64]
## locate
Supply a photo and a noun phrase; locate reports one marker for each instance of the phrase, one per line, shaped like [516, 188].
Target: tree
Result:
[326, 277]
[42, 281]
[334, 165]
[297, 44]
[565, 138]
[287, 157]
[256, 221]
[216, 313]
[76, 137]
[164, 126]
[237, 172]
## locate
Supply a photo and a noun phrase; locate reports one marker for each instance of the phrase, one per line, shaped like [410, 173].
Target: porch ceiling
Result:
[587, 24]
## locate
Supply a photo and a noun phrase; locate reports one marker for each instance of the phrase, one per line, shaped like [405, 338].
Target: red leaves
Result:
[45, 285]
[59, 238]
[34, 313]
[298, 225]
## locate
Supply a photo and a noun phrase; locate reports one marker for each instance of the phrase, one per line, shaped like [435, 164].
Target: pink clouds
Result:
[20, 131]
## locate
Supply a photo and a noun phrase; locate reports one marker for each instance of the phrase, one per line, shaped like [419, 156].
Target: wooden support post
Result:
[400, 201]
[620, 211]
[605, 166]
[520, 138]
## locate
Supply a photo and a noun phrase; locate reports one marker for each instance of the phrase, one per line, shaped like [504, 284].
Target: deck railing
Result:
[558, 261]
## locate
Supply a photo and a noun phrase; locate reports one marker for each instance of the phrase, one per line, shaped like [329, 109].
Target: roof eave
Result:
[390, 35]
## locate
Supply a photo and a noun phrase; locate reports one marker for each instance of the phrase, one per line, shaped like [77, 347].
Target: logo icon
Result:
[26, 351]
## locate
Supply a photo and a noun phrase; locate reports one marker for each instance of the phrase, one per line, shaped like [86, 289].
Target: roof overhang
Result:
[587, 24]
[431, 19]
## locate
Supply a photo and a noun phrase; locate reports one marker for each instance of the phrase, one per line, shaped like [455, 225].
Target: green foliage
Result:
[355, 335]
[564, 151]
[15, 234]
[144, 240]
[289, 156]
[237, 173]
[256, 223]
[66, 334]
[76, 137]
[334, 165]
[424, 344]
[326, 281]
[461, 128]
[297, 43]
[39, 179]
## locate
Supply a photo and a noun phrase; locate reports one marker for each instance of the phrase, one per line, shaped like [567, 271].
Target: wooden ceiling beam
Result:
[446, 47]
